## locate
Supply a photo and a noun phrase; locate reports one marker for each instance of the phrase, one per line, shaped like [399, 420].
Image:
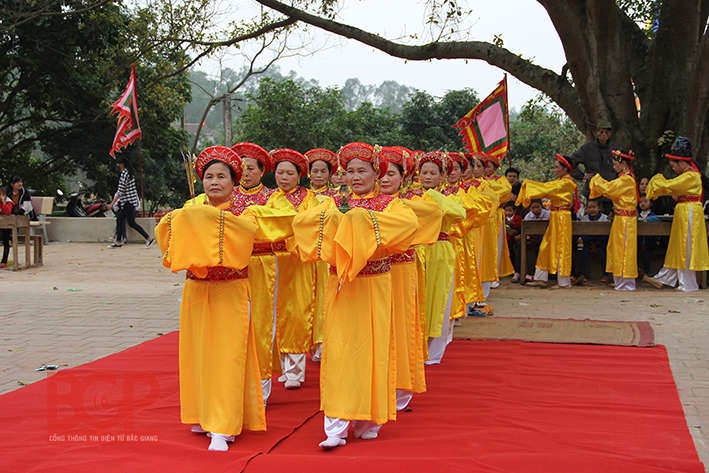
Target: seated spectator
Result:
[512, 176]
[593, 243]
[536, 212]
[513, 225]
[6, 205]
[642, 184]
[646, 242]
[21, 199]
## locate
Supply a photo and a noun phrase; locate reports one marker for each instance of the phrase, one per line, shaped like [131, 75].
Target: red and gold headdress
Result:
[564, 162]
[395, 154]
[436, 157]
[220, 153]
[410, 159]
[365, 152]
[322, 154]
[251, 150]
[458, 158]
[292, 156]
[489, 158]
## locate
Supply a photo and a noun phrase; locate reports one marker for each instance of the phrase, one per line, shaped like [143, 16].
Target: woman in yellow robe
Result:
[485, 236]
[555, 250]
[220, 389]
[687, 250]
[322, 163]
[295, 298]
[502, 187]
[357, 373]
[410, 375]
[622, 251]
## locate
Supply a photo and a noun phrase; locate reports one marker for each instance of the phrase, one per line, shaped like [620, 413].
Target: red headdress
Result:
[365, 152]
[435, 157]
[251, 150]
[459, 158]
[395, 154]
[321, 154]
[564, 162]
[410, 159]
[220, 153]
[673, 157]
[291, 156]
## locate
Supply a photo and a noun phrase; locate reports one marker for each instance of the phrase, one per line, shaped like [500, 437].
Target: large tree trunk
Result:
[610, 59]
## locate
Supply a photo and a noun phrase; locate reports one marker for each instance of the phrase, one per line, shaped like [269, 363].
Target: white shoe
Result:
[219, 442]
[292, 384]
[149, 243]
[332, 442]
[282, 379]
[495, 284]
[369, 435]
[197, 429]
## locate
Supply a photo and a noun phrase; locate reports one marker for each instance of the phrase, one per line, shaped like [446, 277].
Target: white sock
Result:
[332, 442]
[219, 442]
[197, 429]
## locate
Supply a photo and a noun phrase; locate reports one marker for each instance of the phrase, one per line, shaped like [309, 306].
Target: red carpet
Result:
[491, 406]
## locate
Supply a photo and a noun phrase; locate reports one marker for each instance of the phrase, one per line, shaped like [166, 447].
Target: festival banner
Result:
[128, 129]
[485, 129]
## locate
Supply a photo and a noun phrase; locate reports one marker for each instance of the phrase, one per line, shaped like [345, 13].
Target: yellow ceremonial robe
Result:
[688, 184]
[441, 260]
[485, 238]
[502, 187]
[357, 373]
[220, 386]
[622, 250]
[555, 249]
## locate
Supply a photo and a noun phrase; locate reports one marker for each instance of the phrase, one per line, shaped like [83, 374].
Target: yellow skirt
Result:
[295, 303]
[357, 372]
[321, 275]
[555, 249]
[622, 251]
[473, 287]
[262, 275]
[220, 386]
[410, 374]
[421, 296]
[440, 259]
[459, 275]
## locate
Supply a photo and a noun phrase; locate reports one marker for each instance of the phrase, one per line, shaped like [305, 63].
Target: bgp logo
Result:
[100, 401]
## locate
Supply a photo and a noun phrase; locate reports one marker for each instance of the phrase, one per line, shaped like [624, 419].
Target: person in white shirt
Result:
[536, 212]
[593, 243]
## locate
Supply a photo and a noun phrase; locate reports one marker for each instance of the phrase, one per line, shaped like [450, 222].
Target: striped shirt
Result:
[126, 189]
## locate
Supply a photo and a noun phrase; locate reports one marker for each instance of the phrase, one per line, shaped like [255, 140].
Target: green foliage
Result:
[536, 135]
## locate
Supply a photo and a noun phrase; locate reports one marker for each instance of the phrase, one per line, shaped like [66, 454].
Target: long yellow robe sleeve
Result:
[622, 250]
[688, 184]
[220, 386]
[502, 187]
[357, 374]
[556, 247]
[478, 207]
[441, 260]
[486, 239]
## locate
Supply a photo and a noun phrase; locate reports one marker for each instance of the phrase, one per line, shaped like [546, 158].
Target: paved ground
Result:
[126, 296]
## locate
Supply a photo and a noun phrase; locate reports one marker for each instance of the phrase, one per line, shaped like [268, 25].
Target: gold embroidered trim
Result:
[377, 234]
[320, 229]
[221, 238]
[169, 234]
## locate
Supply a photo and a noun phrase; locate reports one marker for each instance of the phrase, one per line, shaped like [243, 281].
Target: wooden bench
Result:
[17, 223]
[539, 227]
[42, 206]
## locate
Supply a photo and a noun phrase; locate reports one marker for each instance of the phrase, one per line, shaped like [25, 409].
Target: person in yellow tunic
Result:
[295, 298]
[555, 250]
[358, 373]
[322, 163]
[219, 373]
[622, 258]
[256, 162]
[467, 288]
[687, 250]
[484, 237]
[502, 187]
[440, 257]
[410, 375]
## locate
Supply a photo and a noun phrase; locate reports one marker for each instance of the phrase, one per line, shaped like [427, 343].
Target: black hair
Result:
[514, 170]
[297, 168]
[128, 165]
[596, 201]
[398, 168]
[470, 162]
[258, 163]
[536, 201]
[509, 204]
[8, 189]
[213, 161]
[642, 194]
[327, 163]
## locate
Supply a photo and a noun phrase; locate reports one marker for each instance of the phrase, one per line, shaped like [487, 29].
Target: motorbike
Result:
[75, 208]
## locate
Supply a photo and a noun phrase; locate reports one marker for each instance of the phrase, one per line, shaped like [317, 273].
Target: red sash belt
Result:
[626, 213]
[554, 208]
[443, 237]
[262, 249]
[220, 273]
[374, 267]
[688, 198]
[279, 246]
[405, 257]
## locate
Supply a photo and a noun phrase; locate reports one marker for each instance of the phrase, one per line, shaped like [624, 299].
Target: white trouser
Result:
[543, 275]
[266, 389]
[293, 365]
[316, 352]
[686, 277]
[335, 427]
[624, 284]
[403, 398]
[437, 345]
[486, 288]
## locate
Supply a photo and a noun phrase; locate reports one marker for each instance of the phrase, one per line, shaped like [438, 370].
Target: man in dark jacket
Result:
[596, 158]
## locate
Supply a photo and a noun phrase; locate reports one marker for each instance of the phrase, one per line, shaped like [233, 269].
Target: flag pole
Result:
[507, 123]
[140, 161]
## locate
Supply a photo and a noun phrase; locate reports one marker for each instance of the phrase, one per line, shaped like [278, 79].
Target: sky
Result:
[523, 25]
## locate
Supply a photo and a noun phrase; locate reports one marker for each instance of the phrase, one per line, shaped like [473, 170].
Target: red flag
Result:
[485, 129]
[127, 109]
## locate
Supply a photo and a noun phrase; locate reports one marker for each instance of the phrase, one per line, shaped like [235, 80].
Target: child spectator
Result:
[646, 242]
[6, 205]
[536, 212]
[593, 243]
[513, 227]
